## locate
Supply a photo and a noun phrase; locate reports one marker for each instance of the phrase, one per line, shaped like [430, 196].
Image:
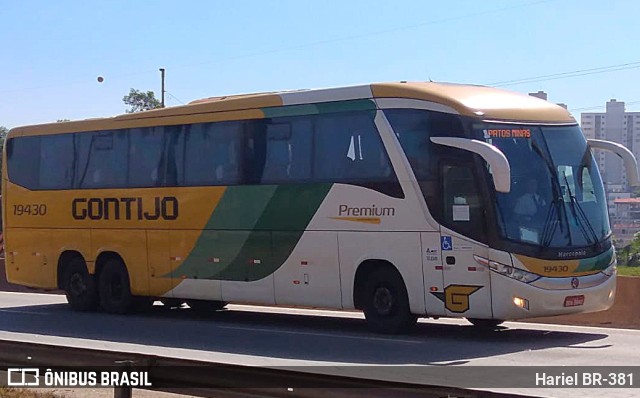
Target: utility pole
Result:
[162, 80]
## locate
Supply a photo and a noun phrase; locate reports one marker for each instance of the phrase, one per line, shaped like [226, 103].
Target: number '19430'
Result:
[35, 209]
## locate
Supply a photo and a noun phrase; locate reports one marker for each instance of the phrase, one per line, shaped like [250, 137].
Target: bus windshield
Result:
[557, 198]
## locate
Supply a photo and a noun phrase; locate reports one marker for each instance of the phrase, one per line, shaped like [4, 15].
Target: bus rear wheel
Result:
[485, 324]
[79, 286]
[115, 292]
[387, 303]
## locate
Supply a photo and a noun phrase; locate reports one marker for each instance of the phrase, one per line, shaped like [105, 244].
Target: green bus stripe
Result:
[252, 232]
[226, 232]
[599, 262]
[277, 232]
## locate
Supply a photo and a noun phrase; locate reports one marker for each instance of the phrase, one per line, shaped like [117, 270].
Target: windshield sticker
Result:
[460, 213]
[507, 133]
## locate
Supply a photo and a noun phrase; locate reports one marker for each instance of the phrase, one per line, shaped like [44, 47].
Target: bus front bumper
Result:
[512, 299]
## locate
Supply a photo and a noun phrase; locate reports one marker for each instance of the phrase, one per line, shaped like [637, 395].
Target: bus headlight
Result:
[506, 270]
[514, 273]
[610, 270]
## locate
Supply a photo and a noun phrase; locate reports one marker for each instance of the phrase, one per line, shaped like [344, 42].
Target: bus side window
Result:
[462, 205]
[349, 149]
[211, 157]
[145, 155]
[106, 161]
[288, 150]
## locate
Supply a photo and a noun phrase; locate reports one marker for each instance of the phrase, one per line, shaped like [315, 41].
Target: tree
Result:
[140, 101]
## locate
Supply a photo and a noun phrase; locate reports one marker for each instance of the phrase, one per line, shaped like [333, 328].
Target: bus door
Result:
[467, 289]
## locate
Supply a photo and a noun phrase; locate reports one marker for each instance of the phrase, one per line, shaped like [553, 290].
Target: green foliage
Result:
[629, 271]
[140, 101]
[630, 254]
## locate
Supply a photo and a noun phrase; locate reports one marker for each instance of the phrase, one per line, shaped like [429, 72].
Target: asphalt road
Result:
[335, 342]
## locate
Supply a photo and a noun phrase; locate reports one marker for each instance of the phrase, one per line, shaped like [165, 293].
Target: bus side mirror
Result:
[498, 163]
[629, 161]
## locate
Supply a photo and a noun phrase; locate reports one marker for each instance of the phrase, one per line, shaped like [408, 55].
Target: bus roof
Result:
[487, 103]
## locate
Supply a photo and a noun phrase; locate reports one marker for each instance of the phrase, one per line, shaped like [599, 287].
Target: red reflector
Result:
[471, 268]
[438, 266]
[296, 282]
[573, 301]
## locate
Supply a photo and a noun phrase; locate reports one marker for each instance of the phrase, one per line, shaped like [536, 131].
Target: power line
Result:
[590, 108]
[174, 97]
[563, 75]
[313, 44]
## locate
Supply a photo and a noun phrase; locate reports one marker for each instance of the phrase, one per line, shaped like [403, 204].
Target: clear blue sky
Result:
[53, 51]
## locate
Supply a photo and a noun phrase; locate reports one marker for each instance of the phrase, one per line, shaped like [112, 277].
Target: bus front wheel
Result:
[115, 292]
[387, 303]
[79, 286]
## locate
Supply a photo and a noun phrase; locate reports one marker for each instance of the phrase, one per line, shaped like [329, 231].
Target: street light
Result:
[162, 81]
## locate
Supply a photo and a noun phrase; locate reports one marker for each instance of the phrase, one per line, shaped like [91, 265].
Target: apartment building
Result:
[615, 124]
[618, 125]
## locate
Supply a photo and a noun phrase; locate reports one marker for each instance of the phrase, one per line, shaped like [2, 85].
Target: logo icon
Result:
[20, 377]
[575, 282]
[445, 242]
[456, 297]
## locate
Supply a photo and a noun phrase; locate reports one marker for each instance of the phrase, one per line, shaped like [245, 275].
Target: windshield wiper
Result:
[580, 215]
[550, 226]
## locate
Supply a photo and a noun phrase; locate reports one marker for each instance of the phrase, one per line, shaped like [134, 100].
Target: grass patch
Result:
[628, 271]
[24, 393]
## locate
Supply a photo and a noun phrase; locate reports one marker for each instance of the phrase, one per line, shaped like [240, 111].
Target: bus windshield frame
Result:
[557, 202]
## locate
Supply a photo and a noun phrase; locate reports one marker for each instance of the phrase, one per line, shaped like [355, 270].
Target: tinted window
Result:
[341, 147]
[212, 154]
[448, 203]
[145, 156]
[173, 164]
[288, 150]
[56, 162]
[107, 162]
[348, 148]
[23, 156]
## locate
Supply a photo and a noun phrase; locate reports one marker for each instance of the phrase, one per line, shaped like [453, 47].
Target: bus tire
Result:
[485, 324]
[114, 288]
[386, 306]
[142, 304]
[206, 307]
[79, 286]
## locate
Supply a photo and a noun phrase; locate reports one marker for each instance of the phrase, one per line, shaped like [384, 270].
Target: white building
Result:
[614, 125]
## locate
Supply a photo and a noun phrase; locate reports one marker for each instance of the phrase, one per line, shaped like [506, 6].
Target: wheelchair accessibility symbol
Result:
[445, 242]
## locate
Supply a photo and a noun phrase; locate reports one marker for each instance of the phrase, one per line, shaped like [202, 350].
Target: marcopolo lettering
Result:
[162, 208]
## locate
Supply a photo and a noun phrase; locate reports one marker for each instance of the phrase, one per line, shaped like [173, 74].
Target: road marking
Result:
[279, 331]
[39, 294]
[25, 312]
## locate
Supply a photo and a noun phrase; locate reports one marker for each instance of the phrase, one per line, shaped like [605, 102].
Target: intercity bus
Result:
[403, 200]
